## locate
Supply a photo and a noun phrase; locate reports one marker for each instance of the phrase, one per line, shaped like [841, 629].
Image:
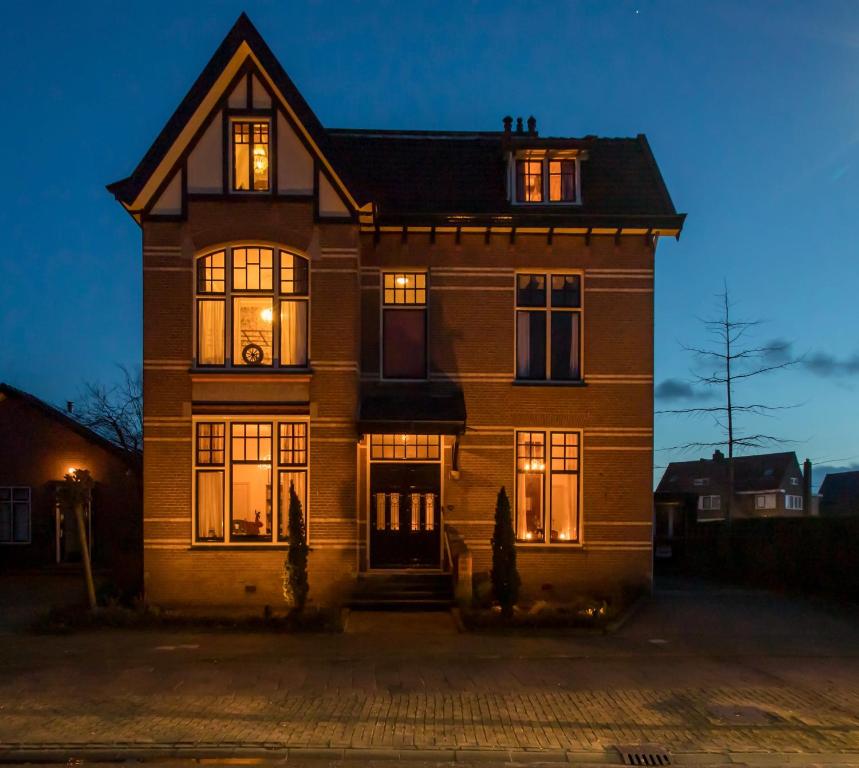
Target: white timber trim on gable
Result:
[205, 112]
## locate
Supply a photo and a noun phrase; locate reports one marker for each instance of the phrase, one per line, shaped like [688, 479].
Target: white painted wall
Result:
[260, 97]
[294, 163]
[170, 201]
[205, 164]
[330, 203]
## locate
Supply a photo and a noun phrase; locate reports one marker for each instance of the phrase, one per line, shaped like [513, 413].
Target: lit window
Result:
[709, 503]
[557, 521]
[562, 181]
[246, 495]
[250, 477]
[251, 156]
[405, 447]
[404, 330]
[14, 515]
[268, 326]
[548, 327]
[529, 181]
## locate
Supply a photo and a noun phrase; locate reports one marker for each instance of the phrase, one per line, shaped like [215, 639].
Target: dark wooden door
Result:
[405, 515]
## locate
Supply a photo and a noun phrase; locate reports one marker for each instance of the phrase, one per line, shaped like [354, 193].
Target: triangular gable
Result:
[195, 117]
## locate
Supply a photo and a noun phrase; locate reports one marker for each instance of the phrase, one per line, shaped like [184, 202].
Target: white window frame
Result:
[226, 468]
[710, 503]
[11, 541]
[544, 157]
[793, 502]
[765, 501]
[547, 310]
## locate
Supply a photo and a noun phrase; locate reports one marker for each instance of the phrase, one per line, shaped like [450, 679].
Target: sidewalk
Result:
[725, 675]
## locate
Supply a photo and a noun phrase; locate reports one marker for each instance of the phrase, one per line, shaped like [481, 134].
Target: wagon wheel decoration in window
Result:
[252, 354]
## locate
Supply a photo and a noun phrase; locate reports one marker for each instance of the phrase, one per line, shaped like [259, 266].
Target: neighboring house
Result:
[39, 445]
[766, 485]
[839, 494]
[396, 324]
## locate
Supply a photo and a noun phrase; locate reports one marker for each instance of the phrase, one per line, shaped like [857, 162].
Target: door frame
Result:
[441, 504]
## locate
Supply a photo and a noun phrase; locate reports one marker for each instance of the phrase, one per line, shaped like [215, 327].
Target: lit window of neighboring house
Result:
[794, 481]
[558, 520]
[548, 327]
[251, 155]
[765, 501]
[250, 503]
[701, 481]
[404, 325]
[14, 515]
[264, 304]
[793, 502]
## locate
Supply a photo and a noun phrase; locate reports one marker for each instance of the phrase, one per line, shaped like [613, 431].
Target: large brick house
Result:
[398, 324]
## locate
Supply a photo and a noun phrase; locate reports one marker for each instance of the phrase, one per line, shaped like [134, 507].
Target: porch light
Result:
[260, 160]
[71, 470]
[266, 315]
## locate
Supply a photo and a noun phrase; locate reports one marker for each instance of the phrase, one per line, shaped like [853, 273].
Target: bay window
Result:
[243, 471]
[404, 325]
[548, 327]
[554, 472]
[265, 317]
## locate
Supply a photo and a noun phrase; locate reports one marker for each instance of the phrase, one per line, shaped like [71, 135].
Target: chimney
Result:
[532, 125]
[508, 125]
[718, 455]
[70, 406]
[806, 488]
[519, 128]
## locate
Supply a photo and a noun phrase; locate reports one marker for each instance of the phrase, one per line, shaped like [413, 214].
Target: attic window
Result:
[251, 152]
[701, 481]
[546, 179]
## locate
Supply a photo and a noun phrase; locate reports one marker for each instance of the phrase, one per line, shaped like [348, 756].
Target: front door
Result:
[405, 515]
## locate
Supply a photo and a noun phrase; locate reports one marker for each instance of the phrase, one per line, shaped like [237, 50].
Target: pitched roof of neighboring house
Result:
[455, 178]
[8, 391]
[762, 472]
[840, 489]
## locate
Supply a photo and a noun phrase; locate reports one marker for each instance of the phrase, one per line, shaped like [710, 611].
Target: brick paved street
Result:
[716, 672]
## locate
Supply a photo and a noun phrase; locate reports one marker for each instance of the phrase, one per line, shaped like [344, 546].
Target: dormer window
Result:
[546, 179]
[251, 152]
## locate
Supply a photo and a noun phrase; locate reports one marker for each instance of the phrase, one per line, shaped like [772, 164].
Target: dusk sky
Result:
[752, 111]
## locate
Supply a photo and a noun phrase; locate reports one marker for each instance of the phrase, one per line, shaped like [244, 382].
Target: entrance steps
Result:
[406, 591]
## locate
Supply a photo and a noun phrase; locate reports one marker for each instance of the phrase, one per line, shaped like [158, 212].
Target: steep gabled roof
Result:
[243, 32]
[410, 175]
[762, 472]
[13, 393]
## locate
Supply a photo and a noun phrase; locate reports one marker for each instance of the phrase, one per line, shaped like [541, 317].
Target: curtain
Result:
[293, 333]
[210, 333]
[521, 522]
[523, 345]
[574, 346]
[210, 505]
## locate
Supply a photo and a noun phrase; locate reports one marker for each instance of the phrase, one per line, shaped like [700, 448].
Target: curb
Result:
[222, 754]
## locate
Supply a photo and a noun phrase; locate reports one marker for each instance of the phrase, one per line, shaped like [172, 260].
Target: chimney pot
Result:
[519, 128]
[718, 455]
[70, 406]
[532, 125]
[508, 123]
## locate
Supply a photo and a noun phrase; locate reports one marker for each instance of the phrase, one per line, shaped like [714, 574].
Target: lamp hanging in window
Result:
[260, 159]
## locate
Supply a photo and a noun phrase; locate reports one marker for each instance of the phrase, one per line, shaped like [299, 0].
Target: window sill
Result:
[548, 383]
[540, 545]
[252, 546]
[250, 370]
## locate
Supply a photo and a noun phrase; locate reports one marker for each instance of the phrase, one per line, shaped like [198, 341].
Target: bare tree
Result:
[730, 362]
[115, 412]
